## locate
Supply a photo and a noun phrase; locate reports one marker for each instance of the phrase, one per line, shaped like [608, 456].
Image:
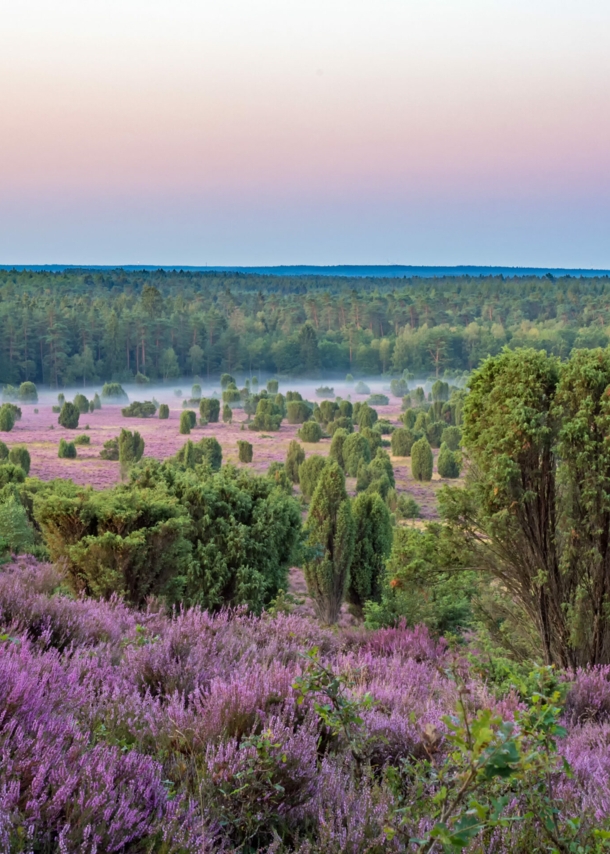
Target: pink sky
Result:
[274, 131]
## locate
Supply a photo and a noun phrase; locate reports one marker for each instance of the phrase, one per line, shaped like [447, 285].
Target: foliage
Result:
[84, 439]
[298, 411]
[378, 400]
[207, 451]
[356, 448]
[15, 528]
[209, 409]
[272, 386]
[310, 432]
[137, 409]
[11, 473]
[7, 418]
[3, 451]
[448, 463]
[330, 538]
[402, 442]
[66, 450]
[336, 447]
[373, 542]
[452, 437]
[422, 461]
[164, 412]
[245, 451]
[131, 448]
[227, 414]
[20, 456]
[81, 403]
[114, 393]
[110, 451]
[185, 422]
[294, 457]
[325, 391]
[268, 416]
[367, 416]
[97, 403]
[362, 388]
[27, 393]
[309, 474]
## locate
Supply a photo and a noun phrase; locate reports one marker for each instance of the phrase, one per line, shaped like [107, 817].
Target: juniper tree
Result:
[373, 543]
[294, 457]
[330, 537]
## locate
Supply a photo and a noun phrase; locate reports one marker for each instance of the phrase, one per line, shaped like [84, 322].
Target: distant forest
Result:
[81, 326]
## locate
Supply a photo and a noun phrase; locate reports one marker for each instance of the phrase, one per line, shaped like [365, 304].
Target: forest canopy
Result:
[85, 326]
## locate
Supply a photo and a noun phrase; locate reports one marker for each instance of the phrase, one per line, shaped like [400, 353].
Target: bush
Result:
[294, 457]
[366, 416]
[326, 411]
[82, 440]
[272, 386]
[362, 388]
[61, 399]
[209, 409]
[231, 395]
[114, 393]
[141, 379]
[67, 450]
[20, 456]
[207, 451]
[227, 414]
[267, 417]
[422, 461]
[325, 391]
[447, 464]
[342, 423]
[97, 403]
[336, 447]
[131, 448]
[11, 473]
[346, 409]
[373, 543]
[69, 416]
[402, 442]
[384, 427]
[81, 403]
[298, 411]
[355, 448]
[245, 451]
[399, 388]
[226, 380]
[138, 409]
[373, 437]
[452, 437]
[56, 409]
[309, 474]
[310, 432]
[9, 392]
[349, 378]
[27, 393]
[3, 451]
[196, 391]
[186, 422]
[110, 451]
[7, 418]
[164, 412]
[378, 400]
[91, 406]
[434, 433]
[15, 527]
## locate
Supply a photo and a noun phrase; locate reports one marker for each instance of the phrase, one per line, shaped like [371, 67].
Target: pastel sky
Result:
[305, 131]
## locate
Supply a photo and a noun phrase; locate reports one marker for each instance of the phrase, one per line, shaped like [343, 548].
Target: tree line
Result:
[81, 327]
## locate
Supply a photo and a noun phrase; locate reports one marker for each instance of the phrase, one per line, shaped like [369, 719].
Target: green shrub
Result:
[294, 457]
[407, 508]
[209, 409]
[447, 464]
[226, 380]
[11, 473]
[67, 450]
[196, 391]
[139, 409]
[402, 442]
[7, 418]
[185, 422]
[293, 395]
[298, 411]
[20, 456]
[419, 395]
[342, 423]
[310, 432]
[27, 393]
[267, 417]
[378, 400]
[245, 451]
[373, 437]
[56, 409]
[272, 386]
[309, 474]
[82, 440]
[399, 387]
[3, 451]
[81, 403]
[330, 537]
[336, 447]
[409, 418]
[384, 427]
[372, 546]
[367, 416]
[114, 393]
[452, 437]
[91, 406]
[356, 447]
[164, 412]
[141, 379]
[110, 451]
[325, 391]
[362, 388]
[61, 399]
[9, 392]
[231, 395]
[131, 448]
[349, 378]
[422, 461]
[227, 414]
[207, 451]
[15, 527]
[69, 416]
[97, 403]
[327, 411]
[434, 433]
[346, 409]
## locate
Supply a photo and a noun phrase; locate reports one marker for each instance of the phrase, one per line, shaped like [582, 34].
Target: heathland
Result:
[304, 565]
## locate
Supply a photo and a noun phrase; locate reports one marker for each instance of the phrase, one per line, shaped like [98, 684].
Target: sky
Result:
[250, 132]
